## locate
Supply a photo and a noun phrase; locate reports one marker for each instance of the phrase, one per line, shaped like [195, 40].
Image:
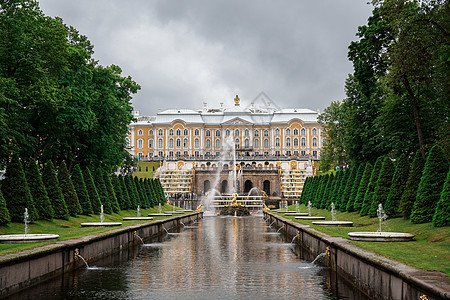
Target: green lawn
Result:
[430, 249]
[68, 229]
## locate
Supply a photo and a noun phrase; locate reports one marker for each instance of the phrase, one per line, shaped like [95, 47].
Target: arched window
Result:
[208, 133]
[178, 132]
[196, 132]
[185, 143]
[303, 142]
[256, 132]
[288, 131]
[295, 142]
[140, 143]
[266, 132]
[277, 131]
[160, 132]
[256, 143]
[170, 143]
[171, 132]
[150, 132]
[140, 132]
[196, 143]
[277, 142]
[266, 143]
[237, 142]
[227, 132]
[246, 132]
[288, 142]
[160, 143]
[178, 143]
[217, 132]
[295, 131]
[208, 143]
[314, 142]
[185, 132]
[217, 143]
[247, 143]
[314, 131]
[303, 131]
[150, 143]
[140, 154]
[236, 132]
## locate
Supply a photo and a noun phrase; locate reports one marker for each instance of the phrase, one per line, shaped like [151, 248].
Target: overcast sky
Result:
[184, 53]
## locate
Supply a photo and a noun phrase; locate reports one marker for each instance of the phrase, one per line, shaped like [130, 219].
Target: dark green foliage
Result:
[398, 186]
[342, 186]
[131, 191]
[368, 196]
[111, 194]
[412, 184]
[302, 196]
[54, 191]
[118, 190]
[68, 191]
[442, 214]
[142, 195]
[136, 191]
[359, 199]
[382, 187]
[354, 191]
[159, 191]
[102, 192]
[17, 193]
[125, 197]
[430, 186]
[348, 188]
[92, 191]
[334, 193]
[328, 188]
[320, 189]
[150, 192]
[40, 197]
[80, 189]
[4, 214]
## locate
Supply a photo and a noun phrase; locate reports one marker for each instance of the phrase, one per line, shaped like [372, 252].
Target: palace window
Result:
[171, 132]
[140, 132]
[217, 132]
[170, 143]
[185, 143]
[178, 153]
[140, 154]
[185, 132]
[303, 131]
[160, 153]
[256, 143]
[160, 143]
[185, 153]
[303, 153]
[247, 143]
[314, 131]
[295, 142]
[266, 132]
[295, 152]
[178, 132]
[171, 153]
[208, 143]
[277, 142]
[277, 131]
[150, 143]
[236, 132]
[217, 143]
[178, 143]
[256, 132]
[266, 143]
[295, 131]
[196, 132]
[314, 153]
[227, 132]
[288, 131]
[160, 132]
[197, 154]
[196, 143]
[150, 154]
[140, 143]
[246, 132]
[314, 142]
[150, 132]
[208, 133]
[303, 142]
[236, 143]
[288, 142]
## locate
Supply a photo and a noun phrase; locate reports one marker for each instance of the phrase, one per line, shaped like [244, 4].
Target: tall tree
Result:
[368, 196]
[382, 187]
[4, 214]
[70, 196]
[54, 191]
[111, 194]
[39, 193]
[412, 184]
[354, 191]
[398, 186]
[348, 188]
[92, 191]
[359, 199]
[441, 216]
[102, 192]
[126, 197]
[82, 193]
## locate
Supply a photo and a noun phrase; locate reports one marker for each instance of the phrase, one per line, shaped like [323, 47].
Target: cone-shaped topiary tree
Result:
[117, 190]
[4, 214]
[398, 186]
[326, 194]
[319, 193]
[304, 191]
[51, 183]
[348, 188]
[149, 192]
[430, 186]
[153, 191]
[125, 196]
[368, 196]
[82, 193]
[92, 191]
[160, 191]
[17, 193]
[412, 184]
[355, 186]
[38, 192]
[131, 192]
[382, 187]
[442, 214]
[102, 192]
[334, 193]
[359, 199]
[136, 191]
[142, 195]
[66, 185]
[111, 194]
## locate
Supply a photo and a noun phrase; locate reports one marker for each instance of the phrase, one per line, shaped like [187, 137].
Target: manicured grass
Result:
[69, 229]
[430, 249]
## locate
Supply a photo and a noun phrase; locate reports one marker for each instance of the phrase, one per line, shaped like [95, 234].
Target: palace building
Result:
[265, 136]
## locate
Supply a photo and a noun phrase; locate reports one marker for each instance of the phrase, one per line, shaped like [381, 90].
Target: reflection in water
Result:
[222, 258]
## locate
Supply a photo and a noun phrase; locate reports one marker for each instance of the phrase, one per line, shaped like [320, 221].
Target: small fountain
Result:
[379, 235]
[26, 237]
[309, 217]
[334, 222]
[297, 212]
[101, 223]
[326, 253]
[159, 213]
[138, 216]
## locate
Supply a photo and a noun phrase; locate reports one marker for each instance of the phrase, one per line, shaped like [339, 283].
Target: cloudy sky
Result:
[184, 53]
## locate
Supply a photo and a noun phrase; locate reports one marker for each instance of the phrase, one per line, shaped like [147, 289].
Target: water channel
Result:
[216, 258]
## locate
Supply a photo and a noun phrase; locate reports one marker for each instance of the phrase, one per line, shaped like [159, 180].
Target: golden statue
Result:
[199, 208]
[265, 195]
[265, 208]
[234, 201]
[236, 101]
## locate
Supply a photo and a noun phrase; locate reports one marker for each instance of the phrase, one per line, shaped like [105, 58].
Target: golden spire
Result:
[236, 101]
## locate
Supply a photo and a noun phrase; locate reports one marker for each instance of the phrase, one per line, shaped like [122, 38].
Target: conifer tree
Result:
[319, 191]
[54, 192]
[412, 184]
[334, 194]
[398, 186]
[66, 185]
[368, 196]
[142, 195]
[136, 191]
[382, 186]
[160, 191]
[341, 190]
[326, 194]
[131, 191]
[303, 194]
[348, 188]
[17, 193]
[38, 192]
[359, 198]
[442, 214]
[430, 186]
[354, 191]
[118, 191]
[125, 196]
[102, 192]
[111, 194]
[82, 193]
[4, 214]
[92, 191]
[150, 192]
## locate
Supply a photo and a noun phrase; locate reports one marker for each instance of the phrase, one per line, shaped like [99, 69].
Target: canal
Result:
[216, 258]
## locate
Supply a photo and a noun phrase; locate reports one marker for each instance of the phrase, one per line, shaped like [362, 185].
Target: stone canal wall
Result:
[375, 275]
[20, 270]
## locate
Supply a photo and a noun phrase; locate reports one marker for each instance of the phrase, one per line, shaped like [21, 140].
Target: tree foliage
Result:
[391, 206]
[92, 191]
[39, 193]
[4, 213]
[68, 190]
[383, 186]
[412, 184]
[82, 193]
[54, 191]
[441, 216]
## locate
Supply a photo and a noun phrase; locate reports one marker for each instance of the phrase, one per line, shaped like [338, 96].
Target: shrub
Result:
[412, 184]
[382, 187]
[354, 190]
[38, 192]
[54, 192]
[4, 214]
[111, 194]
[92, 191]
[126, 198]
[442, 214]
[359, 199]
[71, 198]
[102, 193]
[347, 190]
[82, 193]
[368, 196]
[398, 186]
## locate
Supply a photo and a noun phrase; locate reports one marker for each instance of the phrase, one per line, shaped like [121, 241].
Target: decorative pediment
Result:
[237, 121]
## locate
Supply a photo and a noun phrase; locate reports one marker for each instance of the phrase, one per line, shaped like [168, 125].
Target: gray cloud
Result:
[184, 53]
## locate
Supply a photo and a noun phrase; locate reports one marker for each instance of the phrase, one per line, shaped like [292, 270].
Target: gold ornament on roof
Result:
[236, 101]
